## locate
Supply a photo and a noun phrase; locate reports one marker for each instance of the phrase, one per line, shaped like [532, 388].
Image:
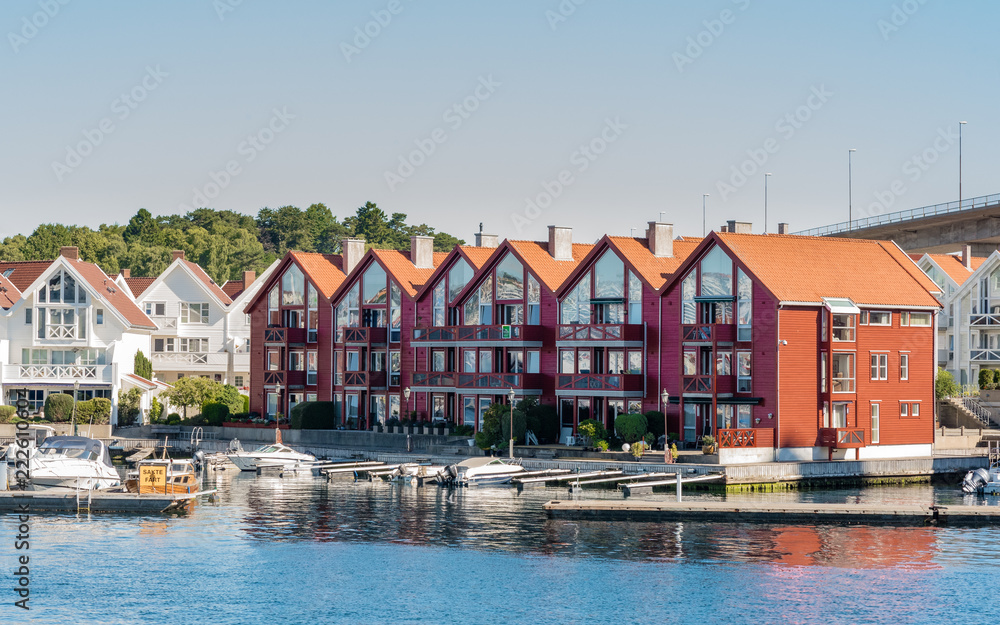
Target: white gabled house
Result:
[66, 323]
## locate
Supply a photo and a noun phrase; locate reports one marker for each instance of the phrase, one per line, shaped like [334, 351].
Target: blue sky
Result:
[458, 113]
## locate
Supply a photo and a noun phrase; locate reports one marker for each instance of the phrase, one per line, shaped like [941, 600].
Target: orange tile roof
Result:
[209, 282]
[138, 285]
[550, 271]
[24, 272]
[110, 293]
[477, 255]
[410, 278]
[9, 294]
[654, 270]
[807, 269]
[233, 288]
[325, 271]
[953, 266]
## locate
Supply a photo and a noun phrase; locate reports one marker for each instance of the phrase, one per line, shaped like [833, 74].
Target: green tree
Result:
[143, 366]
[191, 391]
[945, 385]
[371, 223]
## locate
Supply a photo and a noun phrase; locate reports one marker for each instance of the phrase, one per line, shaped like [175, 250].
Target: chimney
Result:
[177, 254]
[967, 256]
[248, 278]
[661, 239]
[126, 273]
[351, 252]
[783, 228]
[723, 228]
[422, 252]
[741, 227]
[561, 243]
[70, 251]
[487, 240]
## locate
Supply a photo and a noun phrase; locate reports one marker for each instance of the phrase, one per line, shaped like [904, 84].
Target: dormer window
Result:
[62, 289]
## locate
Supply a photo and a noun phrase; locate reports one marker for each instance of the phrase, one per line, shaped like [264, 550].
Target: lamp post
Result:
[510, 395]
[850, 192]
[704, 213]
[76, 391]
[406, 397]
[960, 124]
[278, 409]
[665, 397]
[766, 176]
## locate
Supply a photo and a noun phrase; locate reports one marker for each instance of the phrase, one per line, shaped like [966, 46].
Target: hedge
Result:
[98, 409]
[654, 423]
[6, 413]
[215, 413]
[59, 407]
[631, 427]
[314, 415]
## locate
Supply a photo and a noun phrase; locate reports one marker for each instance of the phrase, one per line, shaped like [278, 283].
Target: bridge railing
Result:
[971, 203]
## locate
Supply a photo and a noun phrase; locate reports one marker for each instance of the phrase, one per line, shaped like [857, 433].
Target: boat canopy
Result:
[75, 447]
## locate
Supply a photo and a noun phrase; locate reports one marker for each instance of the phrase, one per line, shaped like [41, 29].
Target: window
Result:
[469, 360]
[510, 279]
[826, 414]
[313, 313]
[273, 360]
[904, 318]
[534, 302]
[616, 361]
[880, 366]
[515, 361]
[744, 306]
[194, 312]
[311, 366]
[716, 273]
[533, 363]
[922, 319]
[840, 415]
[155, 309]
[914, 410]
[583, 361]
[469, 411]
[634, 299]
[609, 277]
[378, 409]
[743, 372]
[395, 366]
[393, 406]
[879, 318]
[395, 313]
[27, 316]
[310, 396]
[375, 284]
[273, 313]
[238, 380]
[575, 307]
[690, 361]
[34, 357]
[458, 276]
[822, 372]
[437, 360]
[723, 363]
[99, 316]
[62, 288]
[437, 412]
[93, 357]
[353, 360]
[743, 414]
[479, 306]
[904, 410]
[272, 404]
[875, 423]
[567, 361]
[843, 373]
[843, 327]
[689, 310]
[485, 361]
[439, 305]
[292, 287]
[904, 366]
[863, 318]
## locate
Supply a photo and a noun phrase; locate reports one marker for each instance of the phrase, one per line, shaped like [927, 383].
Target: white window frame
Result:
[186, 312]
[904, 366]
[871, 319]
[879, 366]
[875, 410]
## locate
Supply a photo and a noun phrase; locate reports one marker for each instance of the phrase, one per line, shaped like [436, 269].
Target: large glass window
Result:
[744, 305]
[485, 361]
[194, 312]
[395, 368]
[567, 361]
[689, 311]
[575, 307]
[439, 304]
[469, 360]
[743, 372]
[510, 279]
[375, 284]
[743, 414]
[469, 411]
[395, 313]
[311, 367]
[716, 273]
[904, 366]
[843, 327]
[313, 299]
[690, 361]
[458, 276]
[534, 302]
[609, 276]
[479, 306]
[273, 308]
[292, 286]
[843, 372]
[723, 363]
[533, 364]
[634, 298]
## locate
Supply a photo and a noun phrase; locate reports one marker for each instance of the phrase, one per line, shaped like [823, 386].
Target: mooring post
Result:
[678, 474]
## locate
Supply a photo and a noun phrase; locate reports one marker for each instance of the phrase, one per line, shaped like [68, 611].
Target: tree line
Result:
[225, 243]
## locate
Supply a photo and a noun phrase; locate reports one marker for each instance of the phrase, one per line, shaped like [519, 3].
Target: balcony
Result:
[842, 438]
[446, 334]
[182, 361]
[984, 355]
[697, 384]
[600, 332]
[984, 320]
[736, 438]
[284, 335]
[610, 383]
[704, 332]
[164, 323]
[444, 380]
[56, 373]
[365, 378]
[364, 336]
[274, 377]
[500, 381]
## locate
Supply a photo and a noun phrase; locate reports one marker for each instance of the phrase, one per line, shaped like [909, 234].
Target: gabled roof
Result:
[953, 266]
[551, 272]
[233, 288]
[802, 269]
[23, 272]
[398, 265]
[325, 271]
[653, 270]
[476, 257]
[106, 288]
[138, 285]
[208, 281]
[9, 294]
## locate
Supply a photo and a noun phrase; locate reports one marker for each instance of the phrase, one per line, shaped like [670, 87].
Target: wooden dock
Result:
[746, 512]
[93, 501]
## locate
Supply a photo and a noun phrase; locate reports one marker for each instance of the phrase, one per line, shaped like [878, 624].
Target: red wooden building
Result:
[800, 348]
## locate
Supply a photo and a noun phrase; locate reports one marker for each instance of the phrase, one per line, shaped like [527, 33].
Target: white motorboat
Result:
[480, 471]
[75, 462]
[273, 454]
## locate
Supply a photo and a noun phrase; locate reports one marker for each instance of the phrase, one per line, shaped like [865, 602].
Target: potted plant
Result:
[708, 445]
[602, 445]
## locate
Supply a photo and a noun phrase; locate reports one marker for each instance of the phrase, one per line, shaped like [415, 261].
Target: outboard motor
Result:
[975, 481]
[199, 460]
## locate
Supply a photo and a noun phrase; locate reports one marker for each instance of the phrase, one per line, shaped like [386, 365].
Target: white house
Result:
[66, 323]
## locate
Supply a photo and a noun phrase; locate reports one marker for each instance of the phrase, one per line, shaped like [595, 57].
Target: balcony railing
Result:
[479, 333]
[599, 332]
[842, 438]
[60, 332]
[985, 355]
[435, 379]
[500, 380]
[599, 382]
[725, 332]
[697, 384]
[284, 335]
[364, 335]
[100, 373]
[364, 378]
[274, 377]
[165, 323]
[183, 358]
[984, 320]
[735, 438]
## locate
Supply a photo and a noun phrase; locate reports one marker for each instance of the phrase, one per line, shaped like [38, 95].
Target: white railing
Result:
[985, 355]
[100, 373]
[982, 414]
[165, 322]
[181, 357]
[984, 320]
[60, 331]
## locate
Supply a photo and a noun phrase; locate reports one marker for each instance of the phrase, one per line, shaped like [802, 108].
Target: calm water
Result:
[297, 550]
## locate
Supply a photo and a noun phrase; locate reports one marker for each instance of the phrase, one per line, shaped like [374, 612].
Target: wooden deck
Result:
[606, 510]
[68, 501]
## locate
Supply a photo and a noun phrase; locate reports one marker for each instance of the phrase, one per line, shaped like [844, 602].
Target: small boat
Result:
[479, 471]
[179, 476]
[73, 462]
[274, 454]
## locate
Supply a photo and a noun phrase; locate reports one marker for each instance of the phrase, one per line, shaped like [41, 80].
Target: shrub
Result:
[483, 441]
[637, 449]
[142, 366]
[492, 432]
[59, 407]
[7, 413]
[215, 413]
[174, 419]
[314, 415]
[246, 404]
[708, 441]
[542, 419]
[986, 381]
[630, 427]
[945, 385]
[463, 430]
[593, 429]
[128, 406]
[96, 411]
[602, 445]
[654, 423]
[520, 426]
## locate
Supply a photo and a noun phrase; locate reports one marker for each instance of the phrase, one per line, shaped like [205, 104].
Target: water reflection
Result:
[500, 519]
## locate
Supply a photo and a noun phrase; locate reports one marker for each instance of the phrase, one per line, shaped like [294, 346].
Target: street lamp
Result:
[278, 409]
[704, 219]
[850, 191]
[76, 391]
[510, 394]
[766, 176]
[406, 397]
[665, 397]
[960, 124]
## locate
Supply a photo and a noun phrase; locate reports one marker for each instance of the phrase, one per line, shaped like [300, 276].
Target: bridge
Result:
[939, 228]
